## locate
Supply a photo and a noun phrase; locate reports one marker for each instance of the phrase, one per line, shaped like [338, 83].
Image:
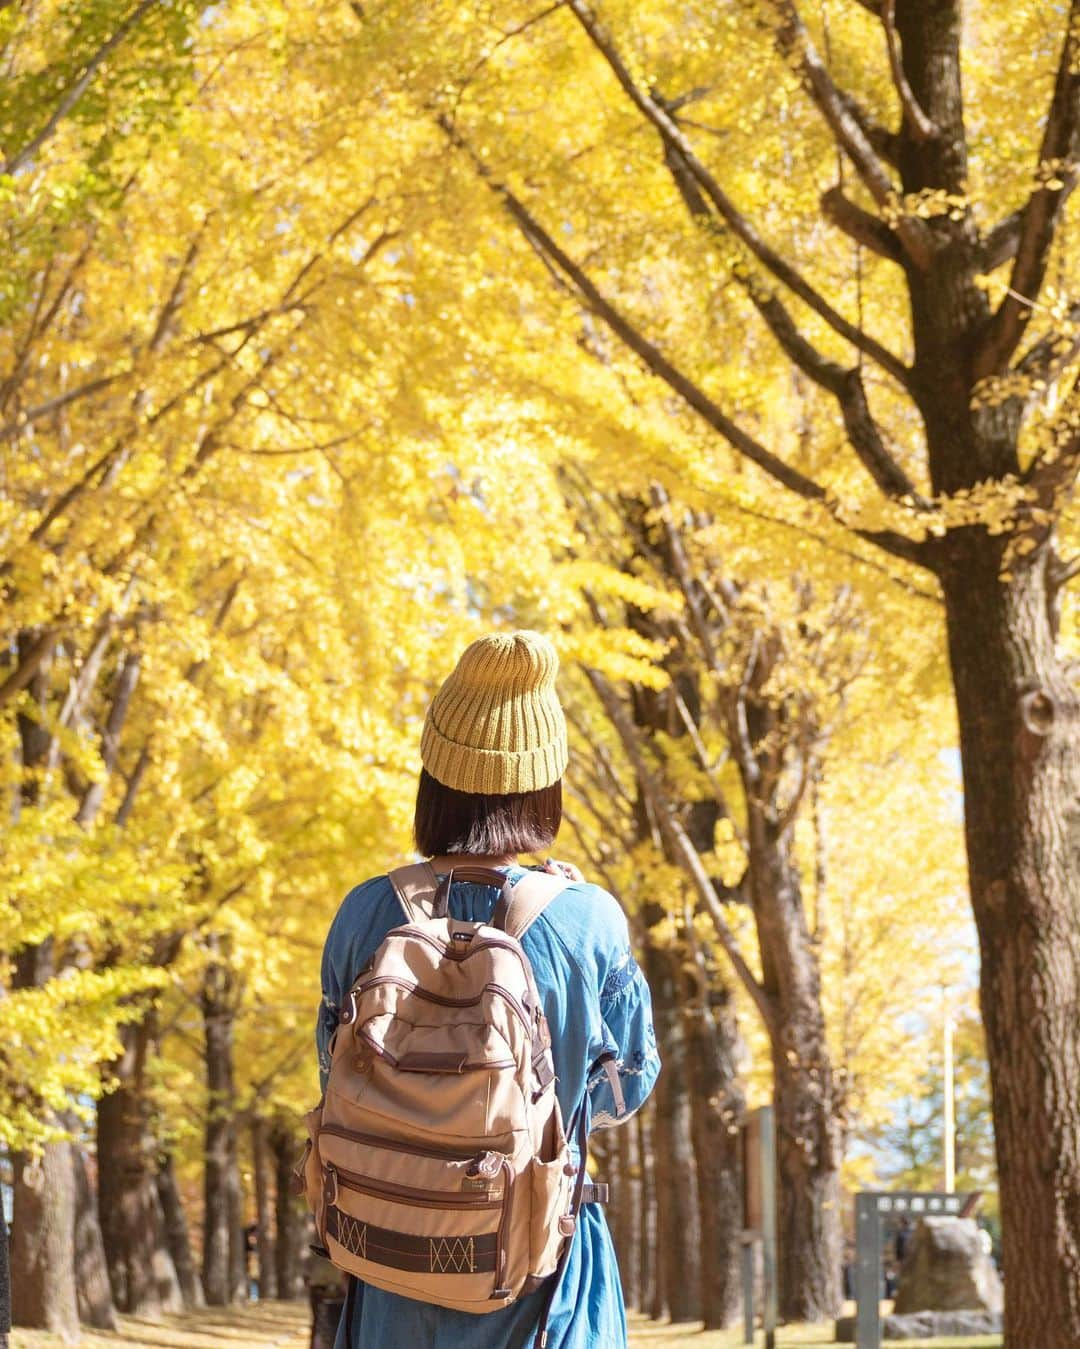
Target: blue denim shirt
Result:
[596, 1001]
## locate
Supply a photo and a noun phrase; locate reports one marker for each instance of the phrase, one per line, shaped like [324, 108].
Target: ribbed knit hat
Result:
[496, 726]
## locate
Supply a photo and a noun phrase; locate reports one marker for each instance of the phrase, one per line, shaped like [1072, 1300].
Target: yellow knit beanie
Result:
[496, 726]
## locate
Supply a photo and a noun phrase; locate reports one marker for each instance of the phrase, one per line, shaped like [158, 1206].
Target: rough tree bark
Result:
[5, 1283]
[92, 1287]
[221, 1188]
[177, 1236]
[263, 1170]
[43, 1214]
[626, 1224]
[43, 1292]
[1019, 714]
[717, 1108]
[677, 1245]
[144, 1280]
[651, 1270]
[290, 1217]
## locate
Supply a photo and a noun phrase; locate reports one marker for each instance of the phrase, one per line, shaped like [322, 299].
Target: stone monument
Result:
[947, 1270]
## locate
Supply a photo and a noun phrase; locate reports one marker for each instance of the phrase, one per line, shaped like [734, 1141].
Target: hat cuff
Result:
[491, 772]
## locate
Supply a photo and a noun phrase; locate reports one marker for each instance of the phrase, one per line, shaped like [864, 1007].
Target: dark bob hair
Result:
[449, 821]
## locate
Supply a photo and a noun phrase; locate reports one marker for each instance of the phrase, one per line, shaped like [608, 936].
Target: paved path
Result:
[286, 1325]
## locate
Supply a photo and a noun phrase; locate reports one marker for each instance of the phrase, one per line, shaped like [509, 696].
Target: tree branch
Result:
[658, 114]
[682, 849]
[32, 659]
[126, 678]
[795, 45]
[866, 229]
[13, 429]
[884, 143]
[922, 127]
[1046, 359]
[652, 357]
[654, 360]
[74, 93]
[846, 385]
[1057, 172]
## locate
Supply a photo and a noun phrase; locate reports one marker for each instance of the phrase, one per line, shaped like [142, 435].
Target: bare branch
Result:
[74, 93]
[922, 127]
[847, 388]
[16, 428]
[1063, 572]
[882, 141]
[126, 678]
[846, 385]
[1056, 172]
[796, 46]
[695, 397]
[682, 849]
[866, 229]
[653, 358]
[675, 143]
[39, 651]
[1048, 358]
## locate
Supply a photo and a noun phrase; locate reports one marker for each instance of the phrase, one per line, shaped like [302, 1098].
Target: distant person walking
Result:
[494, 750]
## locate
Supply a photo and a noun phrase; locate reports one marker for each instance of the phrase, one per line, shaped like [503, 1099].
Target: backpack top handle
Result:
[517, 908]
[440, 906]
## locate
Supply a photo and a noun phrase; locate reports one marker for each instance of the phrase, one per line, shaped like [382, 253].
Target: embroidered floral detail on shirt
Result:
[619, 976]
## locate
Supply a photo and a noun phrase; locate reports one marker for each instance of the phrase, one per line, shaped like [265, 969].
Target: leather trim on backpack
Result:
[402, 1250]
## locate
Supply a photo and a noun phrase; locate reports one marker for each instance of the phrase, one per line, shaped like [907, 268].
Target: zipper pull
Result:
[330, 1186]
[482, 1171]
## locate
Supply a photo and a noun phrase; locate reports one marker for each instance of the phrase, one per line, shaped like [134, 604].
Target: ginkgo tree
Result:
[899, 242]
[278, 438]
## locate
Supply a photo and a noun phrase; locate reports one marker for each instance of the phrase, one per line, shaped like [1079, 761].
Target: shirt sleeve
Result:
[629, 1042]
[366, 914]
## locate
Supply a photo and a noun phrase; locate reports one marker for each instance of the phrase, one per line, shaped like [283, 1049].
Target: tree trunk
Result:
[676, 1191]
[221, 1173]
[262, 1169]
[717, 1108]
[43, 1242]
[238, 1250]
[5, 1282]
[653, 1292]
[1020, 742]
[177, 1237]
[807, 1156]
[626, 1225]
[92, 1288]
[144, 1280]
[290, 1216]
[43, 1216]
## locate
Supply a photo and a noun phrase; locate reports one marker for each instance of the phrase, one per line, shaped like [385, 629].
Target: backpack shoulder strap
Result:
[527, 901]
[415, 887]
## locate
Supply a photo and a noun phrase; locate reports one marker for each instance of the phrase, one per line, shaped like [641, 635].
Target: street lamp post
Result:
[949, 1089]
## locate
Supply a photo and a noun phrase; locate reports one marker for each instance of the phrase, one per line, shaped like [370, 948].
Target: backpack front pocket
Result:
[440, 1237]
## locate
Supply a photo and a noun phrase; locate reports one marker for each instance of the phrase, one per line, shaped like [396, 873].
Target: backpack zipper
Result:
[500, 1291]
[391, 1145]
[460, 956]
[405, 1194]
[382, 979]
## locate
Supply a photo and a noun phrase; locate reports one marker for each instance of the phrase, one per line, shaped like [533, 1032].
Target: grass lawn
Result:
[285, 1325]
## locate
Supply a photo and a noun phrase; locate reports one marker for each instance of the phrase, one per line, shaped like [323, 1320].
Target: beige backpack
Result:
[437, 1166]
